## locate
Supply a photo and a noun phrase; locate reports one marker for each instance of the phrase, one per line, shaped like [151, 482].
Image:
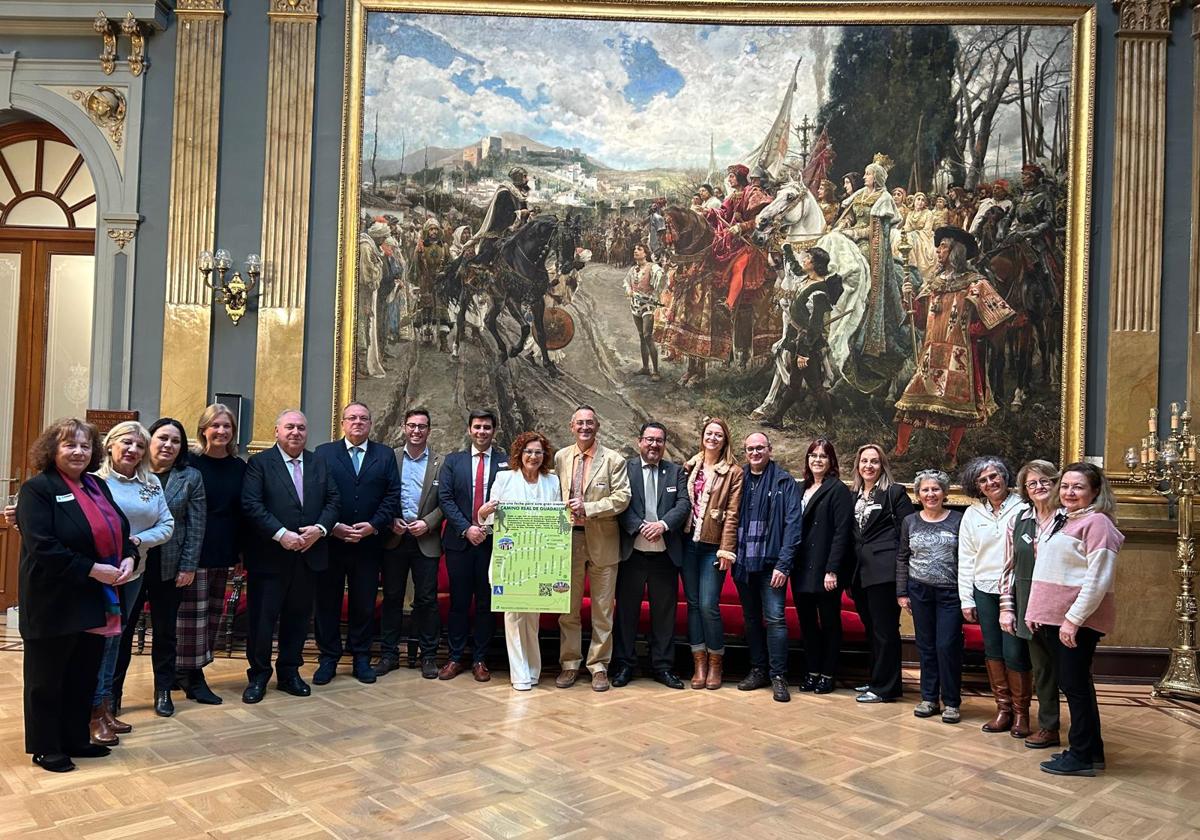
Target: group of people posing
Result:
[108, 524]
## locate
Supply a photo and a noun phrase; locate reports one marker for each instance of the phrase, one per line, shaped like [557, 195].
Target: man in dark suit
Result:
[651, 554]
[463, 486]
[369, 489]
[290, 503]
[413, 544]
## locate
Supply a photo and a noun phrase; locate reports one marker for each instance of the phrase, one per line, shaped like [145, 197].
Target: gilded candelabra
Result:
[1169, 466]
[234, 292]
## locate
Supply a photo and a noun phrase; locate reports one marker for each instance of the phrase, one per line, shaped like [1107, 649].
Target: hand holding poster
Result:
[531, 558]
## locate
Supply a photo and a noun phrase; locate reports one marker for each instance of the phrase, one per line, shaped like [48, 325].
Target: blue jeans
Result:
[937, 620]
[761, 601]
[112, 644]
[702, 582]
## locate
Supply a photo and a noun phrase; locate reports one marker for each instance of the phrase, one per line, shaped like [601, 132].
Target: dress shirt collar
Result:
[287, 459]
[424, 454]
[362, 446]
[474, 452]
[646, 463]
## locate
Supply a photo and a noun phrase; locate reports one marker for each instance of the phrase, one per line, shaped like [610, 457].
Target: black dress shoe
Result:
[293, 685]
[163, 705]
[54, 762]
[196, 688]
[668, 679]
[757, 678]
[384, 664]
[824, 686]
[809, 683]
[325, 672]
[363, 672]
[88, 751]
[429, 669]
[621, 677]
[779, 689]
[255, 691]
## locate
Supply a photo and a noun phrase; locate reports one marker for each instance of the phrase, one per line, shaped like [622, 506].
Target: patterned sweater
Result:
[1075, 573]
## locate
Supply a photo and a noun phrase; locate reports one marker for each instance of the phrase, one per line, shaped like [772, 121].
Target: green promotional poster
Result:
[531, 558]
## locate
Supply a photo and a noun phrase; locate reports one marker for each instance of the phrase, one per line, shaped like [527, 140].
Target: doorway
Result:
[47, 288]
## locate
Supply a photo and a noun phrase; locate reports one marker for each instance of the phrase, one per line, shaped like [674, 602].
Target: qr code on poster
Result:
[545, 590]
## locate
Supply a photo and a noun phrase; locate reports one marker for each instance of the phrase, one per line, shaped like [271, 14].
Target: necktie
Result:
[298, 479]
[577, 481]
[477, 501]
[651, 490]
[356, 457]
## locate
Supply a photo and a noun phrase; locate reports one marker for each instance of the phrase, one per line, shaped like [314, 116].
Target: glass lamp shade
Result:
[1131, 458]
[223, 260]
[204, 262]
[253, 264]
[1170, 453]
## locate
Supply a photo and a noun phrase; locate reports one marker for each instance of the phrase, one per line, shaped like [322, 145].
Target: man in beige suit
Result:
[414, 545]
[595, 486]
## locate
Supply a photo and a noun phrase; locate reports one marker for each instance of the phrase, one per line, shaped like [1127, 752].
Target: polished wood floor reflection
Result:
[415, 758]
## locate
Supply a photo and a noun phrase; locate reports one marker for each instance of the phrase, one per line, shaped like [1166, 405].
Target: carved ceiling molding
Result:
[306, 9]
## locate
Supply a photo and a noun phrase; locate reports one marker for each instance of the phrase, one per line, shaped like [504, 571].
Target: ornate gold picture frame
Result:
[442, 105]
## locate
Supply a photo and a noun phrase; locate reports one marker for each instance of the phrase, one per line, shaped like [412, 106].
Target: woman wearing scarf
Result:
[75, 549]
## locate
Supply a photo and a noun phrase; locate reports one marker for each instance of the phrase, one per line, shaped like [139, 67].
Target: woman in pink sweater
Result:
[1072, 590]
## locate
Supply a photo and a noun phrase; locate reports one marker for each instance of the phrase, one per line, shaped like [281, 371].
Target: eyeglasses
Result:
[350, 418]
[1035, 483]
[533, 453]
[753, 449]
[653, 441]
[416, 427]
[990, 478]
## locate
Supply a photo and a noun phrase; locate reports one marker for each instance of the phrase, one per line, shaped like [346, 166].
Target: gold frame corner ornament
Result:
[1079, 15]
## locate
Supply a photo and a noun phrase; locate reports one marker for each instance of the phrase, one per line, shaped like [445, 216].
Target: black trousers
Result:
[164, 597]
[1075, 680]
[60, 678]
[880, 616]
[398, 562]
[468, 571]
[820, 617]
[353, 571]
[654, 576]
[284, 598]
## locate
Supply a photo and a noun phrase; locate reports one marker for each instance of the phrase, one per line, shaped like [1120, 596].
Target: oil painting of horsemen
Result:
[863, 231]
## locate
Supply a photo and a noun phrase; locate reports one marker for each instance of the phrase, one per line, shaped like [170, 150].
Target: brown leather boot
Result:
[998, 677]
[1042, 739]
[1020, 683]
[113, 724]
[700, 677]
[98, 730]
[716, 663]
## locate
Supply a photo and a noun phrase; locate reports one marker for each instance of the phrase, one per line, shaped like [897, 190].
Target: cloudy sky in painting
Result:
[633, 95]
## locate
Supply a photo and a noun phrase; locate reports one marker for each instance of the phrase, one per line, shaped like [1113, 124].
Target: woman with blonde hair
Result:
[139, 495]
[880, 506]
[714, 486]
[203, 602]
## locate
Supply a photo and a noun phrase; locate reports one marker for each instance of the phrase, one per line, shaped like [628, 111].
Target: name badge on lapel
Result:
[1027, 539]
[601, 484]
[69, 497]
[671, 490]
[503, 466]
[435, 482]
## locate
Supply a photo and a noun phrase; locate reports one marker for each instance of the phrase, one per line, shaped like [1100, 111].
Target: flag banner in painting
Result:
[531, 558]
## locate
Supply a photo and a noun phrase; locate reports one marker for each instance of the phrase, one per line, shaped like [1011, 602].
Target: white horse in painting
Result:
[794, 220]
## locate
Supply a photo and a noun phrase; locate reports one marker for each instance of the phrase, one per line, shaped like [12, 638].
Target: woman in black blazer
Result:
[880, 505]
[823, 564]
[74, 551]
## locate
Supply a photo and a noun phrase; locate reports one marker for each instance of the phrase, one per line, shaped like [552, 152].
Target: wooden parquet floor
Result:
[409, 757]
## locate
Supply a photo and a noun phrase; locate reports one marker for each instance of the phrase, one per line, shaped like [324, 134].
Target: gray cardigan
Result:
[186, 500]
[145, 507]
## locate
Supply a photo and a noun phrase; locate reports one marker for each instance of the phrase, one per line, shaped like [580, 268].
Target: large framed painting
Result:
[862, 222]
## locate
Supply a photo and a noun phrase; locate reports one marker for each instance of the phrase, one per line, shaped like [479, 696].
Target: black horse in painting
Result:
[517, 281]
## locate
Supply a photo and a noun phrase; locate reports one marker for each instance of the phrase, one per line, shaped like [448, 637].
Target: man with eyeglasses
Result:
[651, 554]
[768, 532]
[413, 545]
[595, 486]
[369, 492]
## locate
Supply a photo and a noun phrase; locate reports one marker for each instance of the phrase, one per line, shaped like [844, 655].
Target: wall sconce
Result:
[232, 293]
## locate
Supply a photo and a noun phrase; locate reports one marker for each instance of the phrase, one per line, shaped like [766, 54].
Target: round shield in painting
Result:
[560, 328]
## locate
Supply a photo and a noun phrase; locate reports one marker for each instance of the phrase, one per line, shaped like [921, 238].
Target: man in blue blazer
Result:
[651, 554]
[463, 486]
[369, 488]
[290, 504]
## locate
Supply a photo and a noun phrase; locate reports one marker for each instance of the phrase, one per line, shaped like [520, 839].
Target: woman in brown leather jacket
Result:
[714, 485]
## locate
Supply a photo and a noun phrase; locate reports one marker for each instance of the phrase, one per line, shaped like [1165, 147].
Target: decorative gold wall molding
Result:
[291, 87]
[191, 217]
[1137, 227]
